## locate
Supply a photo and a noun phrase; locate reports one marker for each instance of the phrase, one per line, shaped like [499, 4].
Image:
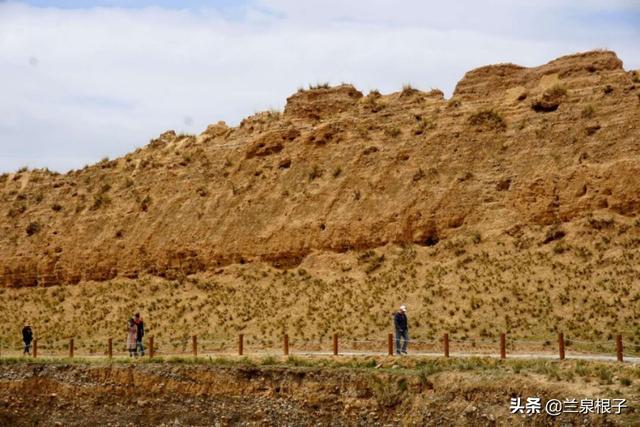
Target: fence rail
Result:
[336, 346]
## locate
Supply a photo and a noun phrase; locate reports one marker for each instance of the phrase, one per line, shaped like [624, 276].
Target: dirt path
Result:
[520, 356]
[529, 356]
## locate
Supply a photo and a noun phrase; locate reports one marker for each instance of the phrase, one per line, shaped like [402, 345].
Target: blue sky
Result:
[81, 80]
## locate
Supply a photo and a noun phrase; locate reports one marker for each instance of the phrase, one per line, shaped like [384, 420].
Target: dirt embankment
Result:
[514, 148]
[199, 395]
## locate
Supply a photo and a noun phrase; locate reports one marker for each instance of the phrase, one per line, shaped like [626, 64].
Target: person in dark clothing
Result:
[140, 333]
[27, 337]
[402, 329]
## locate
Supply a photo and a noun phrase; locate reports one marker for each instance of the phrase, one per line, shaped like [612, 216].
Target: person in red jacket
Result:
[132, 333]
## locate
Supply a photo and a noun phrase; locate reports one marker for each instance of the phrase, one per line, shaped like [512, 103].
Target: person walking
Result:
[27, 337]
[401, 323]
[132, 333]
[139, 333]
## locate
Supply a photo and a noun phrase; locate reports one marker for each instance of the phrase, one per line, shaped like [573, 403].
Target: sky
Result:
[84, 80]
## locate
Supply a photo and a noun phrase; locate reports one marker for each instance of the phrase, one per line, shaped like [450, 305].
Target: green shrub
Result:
[625, 381]
[268, 360]
[605, 375]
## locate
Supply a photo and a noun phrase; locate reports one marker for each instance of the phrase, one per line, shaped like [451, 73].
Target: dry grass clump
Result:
[588, 112]
[323, 85]
[555, 232]
[33, 228]
[488, 119]
[102, 199]
[315, 173]
[372, 103]
[408, 90]
[393, 131]
[422, 125]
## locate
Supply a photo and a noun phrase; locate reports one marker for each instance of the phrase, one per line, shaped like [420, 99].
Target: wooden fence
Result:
[377, 346]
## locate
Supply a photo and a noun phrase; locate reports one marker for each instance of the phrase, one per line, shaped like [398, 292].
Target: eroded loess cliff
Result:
[514, 149]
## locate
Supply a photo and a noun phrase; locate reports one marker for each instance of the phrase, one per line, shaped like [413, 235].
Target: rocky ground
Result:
[295, 392]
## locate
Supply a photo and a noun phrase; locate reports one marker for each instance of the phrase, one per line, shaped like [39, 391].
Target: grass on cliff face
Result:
[472, 287]
[490, 118]
[392, 383]
[589, 378]
[614, 376]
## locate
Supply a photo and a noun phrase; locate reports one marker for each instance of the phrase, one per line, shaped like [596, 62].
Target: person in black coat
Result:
[140, 334]
[401, 324]
[27, 337]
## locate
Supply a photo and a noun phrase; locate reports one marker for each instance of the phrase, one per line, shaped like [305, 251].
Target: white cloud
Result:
[77, 85]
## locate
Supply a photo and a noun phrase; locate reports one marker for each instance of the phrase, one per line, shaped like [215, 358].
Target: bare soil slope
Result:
[515, 147]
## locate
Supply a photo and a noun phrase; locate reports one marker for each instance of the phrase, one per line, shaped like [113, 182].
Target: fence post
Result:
[240, 344]
[110, 348]
[503, 346]
[390, 344]
[619, 348]
[445, 340]
[35, 348]
[335, 344]
[194, 345]
[561, 345]
[71, 347]
[286, 344]
[150, 347]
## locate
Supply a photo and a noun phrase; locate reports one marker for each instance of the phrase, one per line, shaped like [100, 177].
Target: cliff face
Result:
[514, 149]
